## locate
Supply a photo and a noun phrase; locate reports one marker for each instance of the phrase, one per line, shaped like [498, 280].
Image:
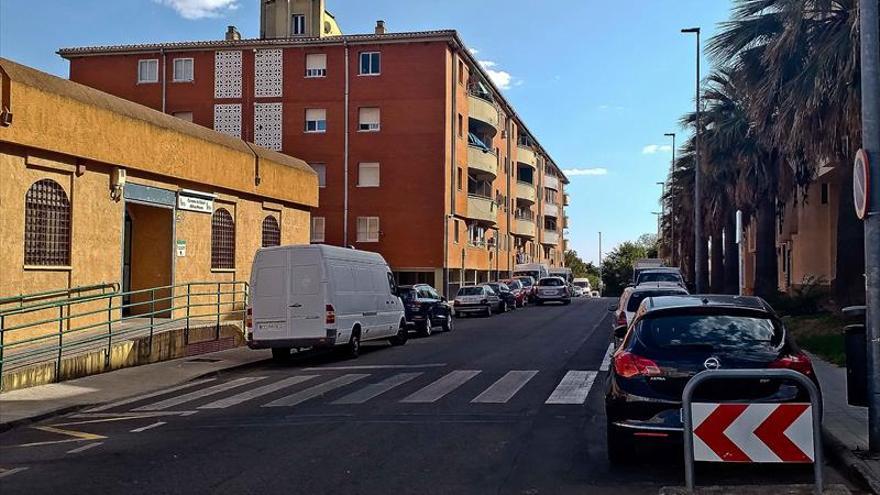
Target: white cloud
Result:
[501, 78]
[575, 172]
[656, 148]
[473, 51]
[199, 9]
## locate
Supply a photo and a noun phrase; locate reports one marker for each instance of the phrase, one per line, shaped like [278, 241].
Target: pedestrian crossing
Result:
[337, 388]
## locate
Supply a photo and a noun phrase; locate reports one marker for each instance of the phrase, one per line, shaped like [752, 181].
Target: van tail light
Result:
[331, 315]
[798, 362]
[249, 319]
[628, 365]
[621, 319]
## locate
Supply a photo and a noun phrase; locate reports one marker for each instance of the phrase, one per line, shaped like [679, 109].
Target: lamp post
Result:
[672, 200]
[659, 216]
[699, 245]
[601, 282]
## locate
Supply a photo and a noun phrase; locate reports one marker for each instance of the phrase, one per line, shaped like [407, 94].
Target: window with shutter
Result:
[318, 229]
[183, 70]
[148, 71]
[316, 65]
[316, 120]
[368, 175]
[368, 229]
[368, 120]
[321, 170]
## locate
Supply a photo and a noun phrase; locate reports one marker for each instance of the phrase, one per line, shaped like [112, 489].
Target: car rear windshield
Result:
[659, 277]
[637, 297]
[711, 332]
[470, 291]
[407, 294]
[551, 282]
[526, 282]
[513, 284]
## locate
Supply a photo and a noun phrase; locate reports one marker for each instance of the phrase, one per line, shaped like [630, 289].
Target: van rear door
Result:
[269, 296]
[305, 301]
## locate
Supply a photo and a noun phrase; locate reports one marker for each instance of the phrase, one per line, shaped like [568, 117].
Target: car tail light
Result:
[331, 314]
[621, 319]
[628, 365]
[798, 362]
[249, 319]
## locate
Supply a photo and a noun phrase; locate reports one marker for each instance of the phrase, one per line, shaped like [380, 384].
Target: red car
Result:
[519, 292]
[530, 287]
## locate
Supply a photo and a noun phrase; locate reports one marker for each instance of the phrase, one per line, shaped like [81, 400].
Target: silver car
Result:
[552, 289]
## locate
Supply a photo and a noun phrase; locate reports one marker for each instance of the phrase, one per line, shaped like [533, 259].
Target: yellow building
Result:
[97, 189]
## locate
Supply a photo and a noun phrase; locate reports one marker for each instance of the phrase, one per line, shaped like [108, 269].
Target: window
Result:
[222, 240]
[321, 170]
[368, 119]
[460, 126]
[271, 232]
[319, 225]
[316, 65]
[46, 225]
[316, 120]
[371, 63]
[368, 229]
[368, 175]
[148, 71]
[183, 70]
[456, 225]
[460, 178]
[824, 193]
[187, 116]
[460, 72]
[298, 24]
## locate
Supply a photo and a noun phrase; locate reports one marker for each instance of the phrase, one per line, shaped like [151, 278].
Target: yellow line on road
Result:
[78, 436]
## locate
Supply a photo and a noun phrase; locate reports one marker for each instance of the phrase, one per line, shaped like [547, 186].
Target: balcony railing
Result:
[526, 156]
[524, 227]
[550, 237]
[551, 210]
[483, 161]
[551, 182]
[524, 215]
[482, 208]
[483, 111]
[526, 192]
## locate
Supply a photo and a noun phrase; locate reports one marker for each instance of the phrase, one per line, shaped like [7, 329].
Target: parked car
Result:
[595, 293]
[506, 295]
[577, 291]
[321, 296]
[519, 291]
[476, 299]
[529, 286]
[632, 297]
[425, 308]
[674, 338]
[553, 289]
[662, 275]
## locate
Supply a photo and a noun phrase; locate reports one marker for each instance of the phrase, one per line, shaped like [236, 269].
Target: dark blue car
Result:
[425, 308]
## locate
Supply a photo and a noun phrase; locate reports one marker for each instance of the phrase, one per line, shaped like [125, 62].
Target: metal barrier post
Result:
[217, 327]
[109, 331]
[60, 342]
[783, 374]
[152, 316]
[2, 334]
[186, 330]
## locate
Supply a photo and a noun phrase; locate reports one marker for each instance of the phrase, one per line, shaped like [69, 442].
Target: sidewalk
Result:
[35, 403]
[846, 427]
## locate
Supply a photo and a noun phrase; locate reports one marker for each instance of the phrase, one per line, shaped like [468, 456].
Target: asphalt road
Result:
[509, 405]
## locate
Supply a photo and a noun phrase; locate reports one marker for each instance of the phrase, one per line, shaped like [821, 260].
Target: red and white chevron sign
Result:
[753, 432]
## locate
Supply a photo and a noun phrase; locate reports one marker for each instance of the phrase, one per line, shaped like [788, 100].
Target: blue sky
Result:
[598, 82]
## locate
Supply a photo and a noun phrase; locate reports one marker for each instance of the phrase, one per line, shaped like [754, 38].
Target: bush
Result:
[803, 300]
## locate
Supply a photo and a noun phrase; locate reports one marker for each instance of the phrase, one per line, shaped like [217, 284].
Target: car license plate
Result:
[548, 292]
[272, 326]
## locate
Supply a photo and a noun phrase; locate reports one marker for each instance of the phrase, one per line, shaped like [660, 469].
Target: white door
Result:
[391, 305]
[269, 296]
[367, 303]
[305, 302]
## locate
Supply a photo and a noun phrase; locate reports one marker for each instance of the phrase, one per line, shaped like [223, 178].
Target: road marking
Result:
[257, 392]
[149, 427]
[573, 389]
[78, 436]
[505, 388]
[317, 390]
[9, 472]
[85, 447]
[124, 416]
[436, 390]
[377, 389]
[198, 394]
[139, 398]
[606, 361]
[377, 367]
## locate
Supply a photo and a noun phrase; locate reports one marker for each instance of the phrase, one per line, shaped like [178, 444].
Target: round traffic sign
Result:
[861, 183]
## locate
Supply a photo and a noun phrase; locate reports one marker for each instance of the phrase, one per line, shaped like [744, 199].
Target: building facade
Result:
[420, 156]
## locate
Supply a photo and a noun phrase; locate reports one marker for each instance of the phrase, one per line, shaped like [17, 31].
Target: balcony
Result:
[524, 227]
[566, 199]
[526, 156]
[551, 210]
[484, 112]
[551, 182]
[482, 209]
[551, 237]
[525, 192]
[482, 161]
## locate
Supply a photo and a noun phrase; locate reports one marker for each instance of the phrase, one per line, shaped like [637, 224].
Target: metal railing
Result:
[50, 330]
[23, 299]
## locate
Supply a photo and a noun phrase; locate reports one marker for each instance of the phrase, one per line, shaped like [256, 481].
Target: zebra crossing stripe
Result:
[317, 390]
[198, 394]
[438, 389]
[573, 389]
[257, 392]
[377, 389]
[150, 395]
[505, 388]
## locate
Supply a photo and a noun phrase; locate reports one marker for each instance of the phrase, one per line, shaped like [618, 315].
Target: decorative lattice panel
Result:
[227, 119]
[227, 74]
[267, 125]
[268, 74]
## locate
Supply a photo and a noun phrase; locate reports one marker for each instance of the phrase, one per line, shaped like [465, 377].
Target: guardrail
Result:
[49, 330]
[22, 299]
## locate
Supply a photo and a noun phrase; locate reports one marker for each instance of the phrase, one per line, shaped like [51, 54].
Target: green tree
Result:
[582, 269]
[617, 267]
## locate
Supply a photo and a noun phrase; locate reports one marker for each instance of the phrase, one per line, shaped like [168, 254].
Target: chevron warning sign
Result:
[753, 432]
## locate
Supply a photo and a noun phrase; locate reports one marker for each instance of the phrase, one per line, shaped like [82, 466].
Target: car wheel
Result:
[448, 324]
[488, 311]
[566, 302]
[425, 329]
[280, 354]
[502, 308]
[619, 446]
[539, 303]
[401, 337]
[353, 348]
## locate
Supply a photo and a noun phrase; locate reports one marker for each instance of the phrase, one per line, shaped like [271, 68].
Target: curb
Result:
[854, 466]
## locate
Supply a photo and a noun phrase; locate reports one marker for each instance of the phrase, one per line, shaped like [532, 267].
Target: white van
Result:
[321, 296]
[535, 270]
[563, 273]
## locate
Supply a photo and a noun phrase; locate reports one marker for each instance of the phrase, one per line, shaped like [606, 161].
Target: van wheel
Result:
[280, 354]
[353, 349]
[401, 337]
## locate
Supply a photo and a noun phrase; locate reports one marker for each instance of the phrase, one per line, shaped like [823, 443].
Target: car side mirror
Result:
[443, 299]
[620, 332]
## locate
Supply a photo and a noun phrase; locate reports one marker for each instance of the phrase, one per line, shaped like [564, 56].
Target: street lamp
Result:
[659, 215]
[699, 245]
[672, 197]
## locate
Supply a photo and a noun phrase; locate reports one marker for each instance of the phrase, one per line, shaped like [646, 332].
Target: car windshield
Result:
[470, 291]
[637, 297]
[551, 282]
[514, 284]
[582, 285]
[526, 282]
[715, 331]
[659, 277]
[407, 294]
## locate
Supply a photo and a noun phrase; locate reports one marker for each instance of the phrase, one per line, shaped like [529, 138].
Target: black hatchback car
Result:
[670, 340]
[425, 308]
[504, 292]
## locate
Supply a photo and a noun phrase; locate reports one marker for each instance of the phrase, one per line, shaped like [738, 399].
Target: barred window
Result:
[46, 225]
[222, 240]
[271, 232]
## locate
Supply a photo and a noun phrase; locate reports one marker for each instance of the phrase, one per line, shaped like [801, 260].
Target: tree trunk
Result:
[717, 256]
[731, 255]
[766, 262]
[849, 284]
[704, 255]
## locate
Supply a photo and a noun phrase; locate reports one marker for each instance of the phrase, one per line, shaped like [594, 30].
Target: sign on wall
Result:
[195, 201]
[181, 248]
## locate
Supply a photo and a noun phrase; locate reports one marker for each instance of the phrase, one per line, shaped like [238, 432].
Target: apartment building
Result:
[420, 156]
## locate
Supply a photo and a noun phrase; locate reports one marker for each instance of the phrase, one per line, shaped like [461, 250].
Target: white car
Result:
[475, 299]
[321, 296]
[632, 297]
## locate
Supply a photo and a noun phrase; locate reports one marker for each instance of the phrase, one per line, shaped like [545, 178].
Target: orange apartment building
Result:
[420, 156]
